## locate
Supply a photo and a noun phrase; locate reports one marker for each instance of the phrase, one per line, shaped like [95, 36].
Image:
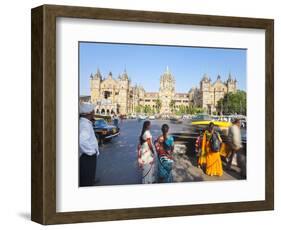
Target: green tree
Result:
[172, 105]
[191, 109]
[182, 110]
[158, 105]
[147, 109]
[139, 109]
[233, 103]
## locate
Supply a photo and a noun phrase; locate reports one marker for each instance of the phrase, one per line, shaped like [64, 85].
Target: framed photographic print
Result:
[139, 114]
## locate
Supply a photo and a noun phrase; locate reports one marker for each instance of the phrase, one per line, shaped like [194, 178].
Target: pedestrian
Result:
[146, 154]
[88, 146]
[121, 118]
[211, 148]
[201, 162]
[165, 148]
[235, 144]
[115, 120]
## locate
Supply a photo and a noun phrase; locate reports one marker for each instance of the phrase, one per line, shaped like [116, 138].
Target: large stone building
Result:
[208, 94]
[117, 95]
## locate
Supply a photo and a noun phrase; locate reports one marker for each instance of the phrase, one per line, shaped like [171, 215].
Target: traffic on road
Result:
[118, 162]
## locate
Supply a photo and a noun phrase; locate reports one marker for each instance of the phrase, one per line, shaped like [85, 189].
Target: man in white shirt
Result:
[235, 143]
[88, 146]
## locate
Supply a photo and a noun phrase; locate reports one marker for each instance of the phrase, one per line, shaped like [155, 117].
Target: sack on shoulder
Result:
[215, 142]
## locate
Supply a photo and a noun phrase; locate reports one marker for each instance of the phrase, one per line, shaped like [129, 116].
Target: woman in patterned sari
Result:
[146, 154]
[165, 146]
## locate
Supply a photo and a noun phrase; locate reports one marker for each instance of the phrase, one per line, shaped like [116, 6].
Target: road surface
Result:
[117, 162]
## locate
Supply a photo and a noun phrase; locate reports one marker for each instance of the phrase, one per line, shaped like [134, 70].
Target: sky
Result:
[146, 63]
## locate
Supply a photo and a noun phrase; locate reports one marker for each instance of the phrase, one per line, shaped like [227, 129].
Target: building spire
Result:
[110, 75]
[125, 75]
[205, 77]
[97, 75]
[229, 76]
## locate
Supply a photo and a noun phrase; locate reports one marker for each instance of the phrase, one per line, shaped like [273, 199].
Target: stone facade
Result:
[208, 94]
[117, 95]
[166, 91]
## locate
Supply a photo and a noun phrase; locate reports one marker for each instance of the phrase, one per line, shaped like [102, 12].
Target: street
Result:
[117, 162]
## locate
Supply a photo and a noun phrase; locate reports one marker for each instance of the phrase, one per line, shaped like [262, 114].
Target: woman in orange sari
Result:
[201, 163]
[211, 149]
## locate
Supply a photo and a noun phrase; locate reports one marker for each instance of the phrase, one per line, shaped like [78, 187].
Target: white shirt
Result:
[88, 143]
[235, 137]
[146, 154]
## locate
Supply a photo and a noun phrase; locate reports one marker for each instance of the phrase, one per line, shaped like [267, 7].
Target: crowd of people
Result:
[157, 164]
[155, 159]
[209, 147]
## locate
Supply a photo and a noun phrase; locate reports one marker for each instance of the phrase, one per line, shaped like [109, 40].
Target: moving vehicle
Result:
[197, 127]
[142, 117]
[133, 116]
[175, 120]
[205, 119]
[104, 131]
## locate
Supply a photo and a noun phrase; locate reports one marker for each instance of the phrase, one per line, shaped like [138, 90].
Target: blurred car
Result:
[165, 117]
[185, 117]
[133, 116]
[205, 119]
[152, 117]
[104, 131]
[142, 117]
[196, 128]
[123, 116]
[175, 120]
[201, 117]
[243, 123]
[107, 118]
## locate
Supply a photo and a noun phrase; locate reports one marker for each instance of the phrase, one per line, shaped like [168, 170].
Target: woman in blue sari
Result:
[165, 148]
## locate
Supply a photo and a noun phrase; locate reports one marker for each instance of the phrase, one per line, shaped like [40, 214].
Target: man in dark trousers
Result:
[235, 143]
[88, 146]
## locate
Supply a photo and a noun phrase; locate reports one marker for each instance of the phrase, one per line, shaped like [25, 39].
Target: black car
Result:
[104, 131]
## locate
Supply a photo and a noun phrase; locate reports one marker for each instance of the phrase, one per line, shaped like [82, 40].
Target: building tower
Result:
[231, 84]
[205, 88]
[166, 91]
[95, 84]
[124, 84]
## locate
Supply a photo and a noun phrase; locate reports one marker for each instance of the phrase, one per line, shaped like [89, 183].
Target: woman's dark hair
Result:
[165, 130]
[145, 126]
[235, 121]
[211, 126]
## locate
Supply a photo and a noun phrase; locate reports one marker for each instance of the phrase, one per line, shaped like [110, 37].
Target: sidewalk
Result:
[185, 168]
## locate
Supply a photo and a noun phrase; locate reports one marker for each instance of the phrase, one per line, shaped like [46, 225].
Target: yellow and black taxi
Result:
[200, 124]
[197, 125]
[104, 131]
